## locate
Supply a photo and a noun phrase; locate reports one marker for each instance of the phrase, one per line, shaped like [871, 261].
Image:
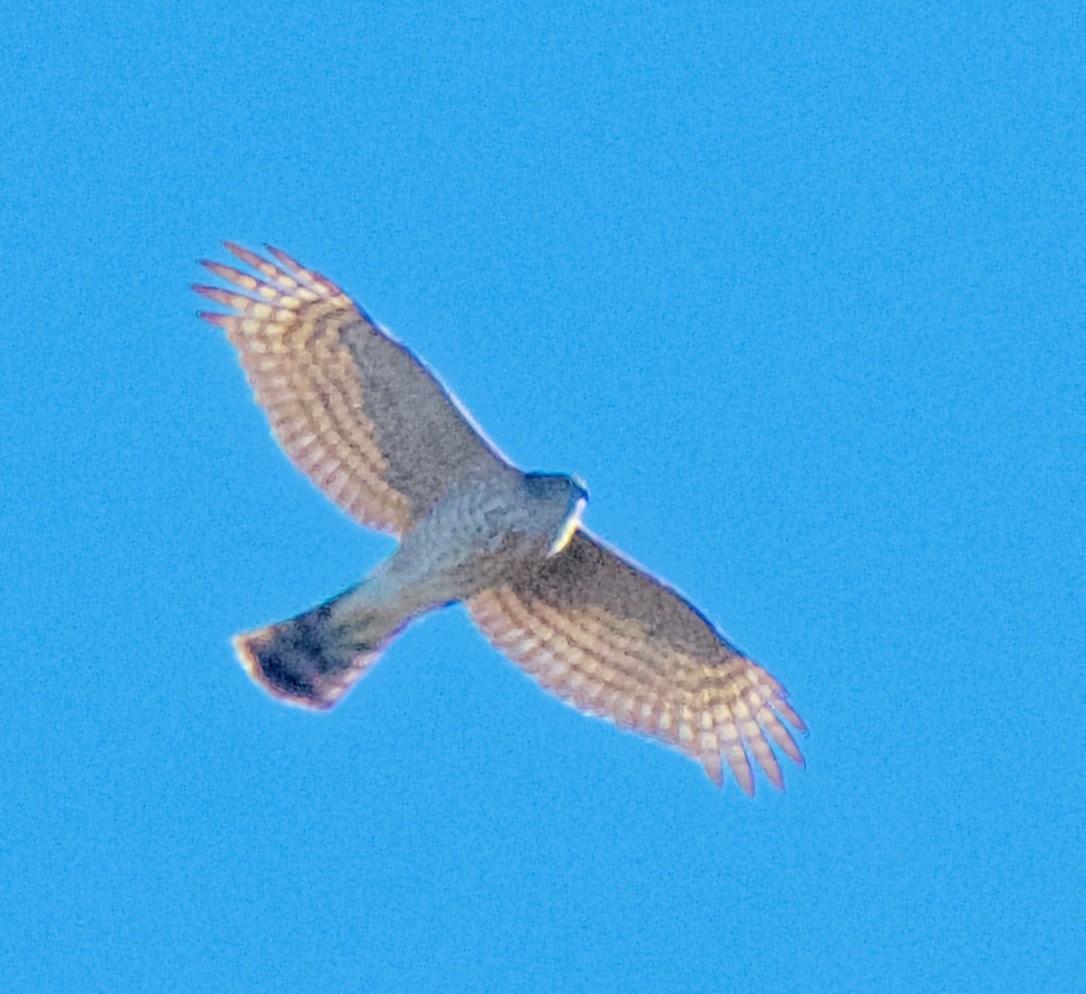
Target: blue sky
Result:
[797, 290]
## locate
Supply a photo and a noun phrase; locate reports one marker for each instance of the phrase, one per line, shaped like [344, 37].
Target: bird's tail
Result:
[312, 660]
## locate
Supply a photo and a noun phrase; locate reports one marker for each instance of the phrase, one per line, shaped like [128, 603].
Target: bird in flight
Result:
[375, 429]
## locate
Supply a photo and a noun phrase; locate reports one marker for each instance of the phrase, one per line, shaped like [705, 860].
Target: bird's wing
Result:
[611, 640]
[354, 409]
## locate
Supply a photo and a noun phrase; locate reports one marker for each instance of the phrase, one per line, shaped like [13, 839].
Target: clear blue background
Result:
[797, 289]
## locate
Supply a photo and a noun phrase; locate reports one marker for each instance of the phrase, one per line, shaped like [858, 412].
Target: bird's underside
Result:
[374, 429]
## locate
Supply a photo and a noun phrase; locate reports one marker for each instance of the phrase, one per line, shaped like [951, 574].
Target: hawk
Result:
[372, 427]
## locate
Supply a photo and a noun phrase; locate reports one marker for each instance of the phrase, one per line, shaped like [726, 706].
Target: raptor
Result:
[376, 430]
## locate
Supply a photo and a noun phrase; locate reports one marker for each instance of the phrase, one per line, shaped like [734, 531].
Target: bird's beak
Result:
[572, 523]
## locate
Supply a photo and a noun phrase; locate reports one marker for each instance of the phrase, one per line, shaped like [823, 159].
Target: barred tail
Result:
[312, 660]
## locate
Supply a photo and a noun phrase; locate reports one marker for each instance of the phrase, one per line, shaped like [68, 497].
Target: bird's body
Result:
[472, 539]
[365, 419]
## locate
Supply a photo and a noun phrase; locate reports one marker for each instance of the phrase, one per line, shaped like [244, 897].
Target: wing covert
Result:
[611, 640]
[354, 409]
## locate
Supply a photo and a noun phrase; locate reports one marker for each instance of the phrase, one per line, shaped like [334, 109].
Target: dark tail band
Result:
[307, 660]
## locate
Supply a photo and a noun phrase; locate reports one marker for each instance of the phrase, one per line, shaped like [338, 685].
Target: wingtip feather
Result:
[301, 272]
[737, 759]
[219, 320]
[714, 770]
[788, 712]
[283, 257]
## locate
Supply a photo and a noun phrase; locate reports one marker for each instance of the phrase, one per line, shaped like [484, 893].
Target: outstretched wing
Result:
[613, 641]
[354, 409]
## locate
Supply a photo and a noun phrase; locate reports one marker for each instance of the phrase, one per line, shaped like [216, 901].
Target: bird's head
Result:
[566, 496]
